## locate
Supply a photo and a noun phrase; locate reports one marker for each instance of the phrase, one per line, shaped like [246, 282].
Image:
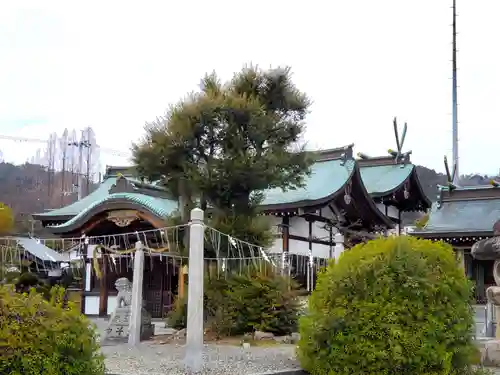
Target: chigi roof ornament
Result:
[450, 177]
[399, 155]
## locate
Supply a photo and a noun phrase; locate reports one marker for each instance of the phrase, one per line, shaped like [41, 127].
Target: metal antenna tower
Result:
[454, 99]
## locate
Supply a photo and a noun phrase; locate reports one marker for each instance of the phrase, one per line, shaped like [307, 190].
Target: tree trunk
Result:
[185, 209]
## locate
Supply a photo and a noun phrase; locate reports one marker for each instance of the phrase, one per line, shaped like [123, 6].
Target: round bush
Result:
[45, 337]
[396, 305]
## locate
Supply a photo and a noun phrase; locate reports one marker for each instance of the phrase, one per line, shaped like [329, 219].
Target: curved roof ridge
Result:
[370, 202]
[160, 207]
[381, 180]
[76, 207]
[316, 190]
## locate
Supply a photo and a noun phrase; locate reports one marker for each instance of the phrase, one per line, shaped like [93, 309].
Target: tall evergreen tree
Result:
[228, 142]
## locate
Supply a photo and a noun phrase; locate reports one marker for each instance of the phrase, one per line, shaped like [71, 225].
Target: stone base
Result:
[118, 326]
[490, 353]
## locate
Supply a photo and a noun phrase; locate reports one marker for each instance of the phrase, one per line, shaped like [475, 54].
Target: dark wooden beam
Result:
[103, 287]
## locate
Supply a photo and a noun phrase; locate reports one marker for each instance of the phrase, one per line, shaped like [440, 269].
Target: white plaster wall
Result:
[92, 305]
[327, 212]
[277, 246]
[319, 232]
[298, 247]
[88, 276]
[321, 251]
[391, 210]
[299, 227]
[111, 304]
[90, 252]
[302, 248]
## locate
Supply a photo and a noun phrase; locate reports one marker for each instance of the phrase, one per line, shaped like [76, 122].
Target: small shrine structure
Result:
[462, 216]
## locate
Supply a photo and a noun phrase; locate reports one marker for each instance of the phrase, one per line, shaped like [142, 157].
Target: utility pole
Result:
[89, 153]
[456, 178]
[83, 143]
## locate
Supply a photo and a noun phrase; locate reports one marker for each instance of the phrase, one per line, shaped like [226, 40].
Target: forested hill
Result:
[30, 188]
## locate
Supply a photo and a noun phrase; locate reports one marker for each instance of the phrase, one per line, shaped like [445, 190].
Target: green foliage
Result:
[255, 300]
[40, 337]
[422, 222]
[177, 317]
[227, 142]
[396, 305]
[6, 219]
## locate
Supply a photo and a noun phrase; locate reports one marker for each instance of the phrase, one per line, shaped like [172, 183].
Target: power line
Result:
[36, 140]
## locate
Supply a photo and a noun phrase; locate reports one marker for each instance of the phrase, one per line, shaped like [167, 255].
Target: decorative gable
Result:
[122, 185]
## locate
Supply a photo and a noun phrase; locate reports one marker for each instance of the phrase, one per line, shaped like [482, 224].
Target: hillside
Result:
[29, 188]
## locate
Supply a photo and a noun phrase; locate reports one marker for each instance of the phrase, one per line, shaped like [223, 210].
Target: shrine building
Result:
[358, 197]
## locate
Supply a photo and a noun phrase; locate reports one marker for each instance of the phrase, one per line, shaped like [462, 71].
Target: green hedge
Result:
[396, 305]
[45, 337]
[254, 300]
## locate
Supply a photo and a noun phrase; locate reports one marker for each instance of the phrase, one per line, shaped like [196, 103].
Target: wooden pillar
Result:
[480, 281]
[460, 258]
[182, 280]
[285, 233]
[103, 286]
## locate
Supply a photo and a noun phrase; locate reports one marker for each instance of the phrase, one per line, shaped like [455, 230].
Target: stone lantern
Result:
[489, 249]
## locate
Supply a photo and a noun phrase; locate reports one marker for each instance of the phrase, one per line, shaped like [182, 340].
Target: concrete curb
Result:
[294, 371]
[279, 372]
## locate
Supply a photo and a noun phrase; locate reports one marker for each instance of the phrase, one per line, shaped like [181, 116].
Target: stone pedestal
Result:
[490, 353]
[493, 295]
[118, 330]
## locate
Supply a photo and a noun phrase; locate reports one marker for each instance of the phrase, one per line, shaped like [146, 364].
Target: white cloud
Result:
[113, 65]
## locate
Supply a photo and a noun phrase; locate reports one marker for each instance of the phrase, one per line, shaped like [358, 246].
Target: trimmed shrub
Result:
[177, 317]
[240, 303]
[396, 305]
[40, 337]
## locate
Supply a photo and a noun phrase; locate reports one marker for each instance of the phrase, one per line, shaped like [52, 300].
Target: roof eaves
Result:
[310, 202]
[385, 220]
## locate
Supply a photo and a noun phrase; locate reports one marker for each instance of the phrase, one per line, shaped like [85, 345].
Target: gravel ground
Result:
[156, 359]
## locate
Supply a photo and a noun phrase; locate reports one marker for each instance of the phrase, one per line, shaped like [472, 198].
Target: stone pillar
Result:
[460, 258]
[194, 329]
[136, 305]
[339, 245]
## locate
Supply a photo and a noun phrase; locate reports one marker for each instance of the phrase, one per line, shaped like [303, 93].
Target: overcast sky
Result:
[113, 65]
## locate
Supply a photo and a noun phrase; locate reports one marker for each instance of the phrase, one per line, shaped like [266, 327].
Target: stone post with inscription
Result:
[194, 329]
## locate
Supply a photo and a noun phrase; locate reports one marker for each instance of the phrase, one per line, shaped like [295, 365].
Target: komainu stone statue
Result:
[118, 327]
[124, 288]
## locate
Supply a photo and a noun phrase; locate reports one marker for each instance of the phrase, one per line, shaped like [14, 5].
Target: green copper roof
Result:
[75, 208]
[159, 206]
[463, 216]
[382, 179]
[97, 195]
[327, 177]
